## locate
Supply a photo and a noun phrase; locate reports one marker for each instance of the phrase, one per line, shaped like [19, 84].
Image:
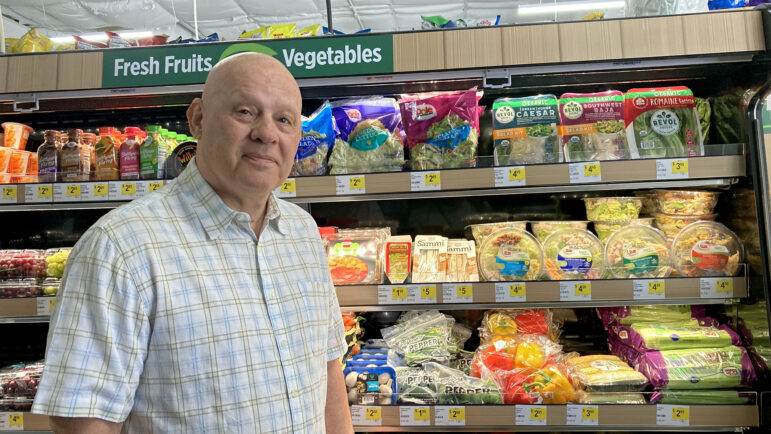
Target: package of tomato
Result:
[511, 322]
[355, 256]
[504, 354]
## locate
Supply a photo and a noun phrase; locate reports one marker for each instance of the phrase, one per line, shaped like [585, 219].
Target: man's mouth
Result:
[260, 158]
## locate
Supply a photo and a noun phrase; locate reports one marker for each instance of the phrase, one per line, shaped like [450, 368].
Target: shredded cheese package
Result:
[429, 259]
[398, 257]
[461, 261]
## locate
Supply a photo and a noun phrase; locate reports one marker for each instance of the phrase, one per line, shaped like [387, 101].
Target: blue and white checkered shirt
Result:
[173, 317]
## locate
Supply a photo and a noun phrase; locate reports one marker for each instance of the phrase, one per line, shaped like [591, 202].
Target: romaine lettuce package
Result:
[318, 136]
[442, 129]
[592, 126]
[694, 333]
[659, 313]
[698, 368]
[662, 123]
[703, 397]
[525, 130]
[368, 136]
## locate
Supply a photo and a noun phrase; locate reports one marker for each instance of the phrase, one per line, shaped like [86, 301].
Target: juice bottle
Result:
[152, 154]
[75, 158]
[129, 154]
[48, 157]
[89, 139]
[106, 155]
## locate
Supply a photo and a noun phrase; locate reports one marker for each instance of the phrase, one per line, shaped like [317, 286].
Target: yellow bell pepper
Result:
[501, 324]
[553, 386]
[529, 355]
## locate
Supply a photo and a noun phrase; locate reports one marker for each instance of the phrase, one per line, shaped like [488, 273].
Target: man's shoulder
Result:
[295, 215]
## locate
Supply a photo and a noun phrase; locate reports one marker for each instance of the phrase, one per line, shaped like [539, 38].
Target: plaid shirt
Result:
[173, 317]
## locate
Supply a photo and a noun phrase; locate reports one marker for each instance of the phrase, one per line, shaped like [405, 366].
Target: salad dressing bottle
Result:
[128, 154]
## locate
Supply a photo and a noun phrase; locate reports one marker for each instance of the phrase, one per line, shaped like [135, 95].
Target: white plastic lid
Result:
[510, 255]
[707, 248]
[573, 254]
[638, 251]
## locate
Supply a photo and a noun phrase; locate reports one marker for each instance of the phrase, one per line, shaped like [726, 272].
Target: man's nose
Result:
[264, 130]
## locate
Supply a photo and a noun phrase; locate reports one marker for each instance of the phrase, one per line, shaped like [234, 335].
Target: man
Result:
[206, 306]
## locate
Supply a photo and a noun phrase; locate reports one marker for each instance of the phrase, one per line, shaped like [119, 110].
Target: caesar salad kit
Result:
[525, 130]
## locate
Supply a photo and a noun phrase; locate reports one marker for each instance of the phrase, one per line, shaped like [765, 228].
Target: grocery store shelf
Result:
[25, 310]
[24, 421]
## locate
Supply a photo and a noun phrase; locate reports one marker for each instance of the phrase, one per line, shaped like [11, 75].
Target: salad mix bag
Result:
[592, 126]
[369, 137]
[442, 129]
[525, 130]
[662, 123]
[317, 138]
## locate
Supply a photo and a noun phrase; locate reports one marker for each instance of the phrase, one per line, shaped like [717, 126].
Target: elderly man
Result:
[206, 306]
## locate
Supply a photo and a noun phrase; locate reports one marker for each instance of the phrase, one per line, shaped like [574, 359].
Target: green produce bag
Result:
[702, 368]
[705, 397]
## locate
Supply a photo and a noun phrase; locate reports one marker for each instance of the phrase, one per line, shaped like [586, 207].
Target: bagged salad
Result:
[442, 129]
[525, 130]
[662, 123]
[592, 126]
[318, 136]
[369, 137]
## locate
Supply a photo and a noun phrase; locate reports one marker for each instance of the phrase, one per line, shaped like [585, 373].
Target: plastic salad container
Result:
[483, 230]
[671, 225]
[707, 249]
[605, 229]
[612, 208]
[686, 203]
[638, 252]
[542, 229]
[510, 254]
[648, 201]
[573, 254]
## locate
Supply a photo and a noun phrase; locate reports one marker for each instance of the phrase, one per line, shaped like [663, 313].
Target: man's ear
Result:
[195, 118]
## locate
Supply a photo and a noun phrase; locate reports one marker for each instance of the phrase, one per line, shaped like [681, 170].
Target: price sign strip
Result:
[414, 416]
[425, 181]
[457, 293]
[10, 194]
[406, 294]
[672, 168]
[11, 421]
[583, 414]
[287, 189]
[367, 415]
[530, 414]
[585, 172]
[576, 290]
[350, 184]
[649, 289]
[673, 415]
[446, 415]
[510, 292]
[515, 176]
[716, 287]
[38, 193]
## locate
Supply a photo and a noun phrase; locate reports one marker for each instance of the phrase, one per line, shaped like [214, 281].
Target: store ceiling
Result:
[229, 18]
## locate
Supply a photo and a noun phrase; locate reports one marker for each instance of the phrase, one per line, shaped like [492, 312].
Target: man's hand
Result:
[337, 414]
[84, 425]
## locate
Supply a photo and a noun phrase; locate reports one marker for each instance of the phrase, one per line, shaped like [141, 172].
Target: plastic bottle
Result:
[128, 154]
[89, 140]
[75, 158]
[106, 155]
[48, 157]
[152, 154]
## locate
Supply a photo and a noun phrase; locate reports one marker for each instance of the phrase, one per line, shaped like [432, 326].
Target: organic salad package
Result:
[592, 126]
[318, 136]
[369, 136]
[442, 129]
[662, 123]
[354, 256]
[525, 130]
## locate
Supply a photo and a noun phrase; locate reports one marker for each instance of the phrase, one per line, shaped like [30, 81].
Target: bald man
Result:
[207, 306]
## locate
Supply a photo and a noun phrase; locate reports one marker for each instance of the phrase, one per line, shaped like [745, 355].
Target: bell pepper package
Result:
[453, 387]
[421, 339]
[525, 130]
[605, 373]
[442, 129]
[698, 368]
[354, 256]
[510, 322]
[513, 352]
[662, 123]
[592, 126]
[694, 333]
[548, 385]
[416, 386]
[317, 137]
[369, 136]
[370, 385]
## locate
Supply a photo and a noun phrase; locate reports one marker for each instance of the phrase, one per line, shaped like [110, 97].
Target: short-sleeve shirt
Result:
[173, 316]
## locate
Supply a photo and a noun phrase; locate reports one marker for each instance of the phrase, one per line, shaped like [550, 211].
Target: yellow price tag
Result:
[101, 190]
[422, 414]
[724, 285]
[16, 419]
[44, 191]
[583, 289]
[680, 166]
[10, 192]
[681, 413]
[590, 413]
[656, 287]
[433, 179]
[356, 182]
[51, 304]
[372, 413]
[398, 292]
[517, 290]
[458, 413]
[73, 190]
[517, 174]
[592, 169]
[428, 292]
[538, 413]
[156, 185]
[128, 188]
[289, 186]
[465, 291]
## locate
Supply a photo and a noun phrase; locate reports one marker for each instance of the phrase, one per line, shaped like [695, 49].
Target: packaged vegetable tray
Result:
[573, 254]
[354, 256]
[637, 251]
[369, 137]
[605, 373]
[481, 231]
[442, 129]
[671, 225]
[707, 249]
[318, 137]
[510, 255]
[604, 229]
[525, 130]
[699, 368]
[694, 333]
[542, 229]
[592, 126]
[662, 123]
[686, 203]
[612, 208]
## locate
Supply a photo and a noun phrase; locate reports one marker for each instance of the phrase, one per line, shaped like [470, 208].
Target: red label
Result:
[639, 101]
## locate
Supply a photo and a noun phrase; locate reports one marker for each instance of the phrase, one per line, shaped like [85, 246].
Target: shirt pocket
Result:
[311, 302]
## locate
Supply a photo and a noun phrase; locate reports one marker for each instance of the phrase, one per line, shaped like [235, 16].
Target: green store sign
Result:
[190, 64]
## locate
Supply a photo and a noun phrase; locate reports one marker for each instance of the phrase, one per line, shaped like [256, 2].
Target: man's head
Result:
[247, 124]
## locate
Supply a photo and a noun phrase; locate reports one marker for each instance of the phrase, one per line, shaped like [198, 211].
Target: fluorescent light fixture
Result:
[101, 37]
[531, 9]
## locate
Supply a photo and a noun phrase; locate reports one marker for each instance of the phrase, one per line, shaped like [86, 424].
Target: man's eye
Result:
[244, 112]
[285, 120]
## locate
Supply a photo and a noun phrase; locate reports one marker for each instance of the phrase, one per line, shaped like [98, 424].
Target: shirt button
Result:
[283, 343]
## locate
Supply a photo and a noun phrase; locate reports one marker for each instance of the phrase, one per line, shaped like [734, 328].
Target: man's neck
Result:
[255, 205]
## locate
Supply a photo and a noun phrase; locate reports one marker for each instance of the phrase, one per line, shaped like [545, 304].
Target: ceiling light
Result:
[101, 37]
[569, 6]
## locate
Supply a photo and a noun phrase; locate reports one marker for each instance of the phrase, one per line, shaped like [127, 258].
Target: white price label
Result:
[350, 184]
[414, 416]
[583, 414]
[128, 190]
[10, 194]
[425, 181]
[11, 421]
[673, 415]
[406, 294]
[449, 416]
[45, 305]
[69, 192]
[530, 415]
[510, 176]
[457, 293]
[672, 169]
[589, 171]
[38, 193]
[96, 192]
[716, 287]
[650, 289]
[510, 292]
[367, 415]
[288, 188]
[576, 290]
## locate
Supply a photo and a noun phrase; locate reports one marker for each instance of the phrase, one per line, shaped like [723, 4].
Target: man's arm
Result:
[83, 425]
[337, 413]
